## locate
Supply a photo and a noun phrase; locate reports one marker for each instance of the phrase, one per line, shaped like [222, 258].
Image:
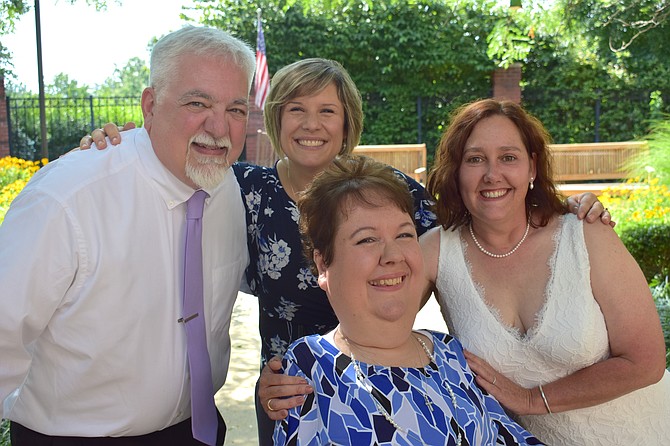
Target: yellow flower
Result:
[14, 175]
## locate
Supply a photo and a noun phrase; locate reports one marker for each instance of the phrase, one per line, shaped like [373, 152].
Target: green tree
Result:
[571, 68]
[622, 22]
[65, 87]
[402, 54]
[130, 80]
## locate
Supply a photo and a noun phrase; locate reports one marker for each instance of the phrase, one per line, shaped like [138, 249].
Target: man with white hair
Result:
[100, 343]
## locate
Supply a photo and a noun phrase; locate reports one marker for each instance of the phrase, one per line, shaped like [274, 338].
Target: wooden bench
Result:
[592, 167]
[408, 158]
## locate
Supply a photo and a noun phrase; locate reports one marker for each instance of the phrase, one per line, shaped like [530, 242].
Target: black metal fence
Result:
[570, 116]
[67, 120]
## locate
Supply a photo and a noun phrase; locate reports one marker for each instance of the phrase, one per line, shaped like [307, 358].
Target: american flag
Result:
[262, 75]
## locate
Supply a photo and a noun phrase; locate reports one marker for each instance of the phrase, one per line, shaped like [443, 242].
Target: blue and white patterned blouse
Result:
[291, 303]
[344, 411]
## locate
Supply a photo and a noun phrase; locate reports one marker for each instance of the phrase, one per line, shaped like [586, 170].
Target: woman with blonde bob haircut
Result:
[306, 78]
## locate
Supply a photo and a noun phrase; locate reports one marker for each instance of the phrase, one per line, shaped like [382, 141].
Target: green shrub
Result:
[4, 433]
[650, 246]
[657, 159]
[660, 289]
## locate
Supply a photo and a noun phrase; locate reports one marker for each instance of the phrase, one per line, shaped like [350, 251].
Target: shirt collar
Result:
[173, 191]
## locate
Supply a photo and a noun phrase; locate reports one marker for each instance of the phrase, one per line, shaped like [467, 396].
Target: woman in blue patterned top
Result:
[375, 380]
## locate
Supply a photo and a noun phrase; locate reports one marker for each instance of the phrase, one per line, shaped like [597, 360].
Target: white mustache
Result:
[206, 140]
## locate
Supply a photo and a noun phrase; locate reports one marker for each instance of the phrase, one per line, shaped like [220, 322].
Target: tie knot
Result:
[195, 205]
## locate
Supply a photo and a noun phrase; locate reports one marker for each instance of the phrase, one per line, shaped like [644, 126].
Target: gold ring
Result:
[269, 406]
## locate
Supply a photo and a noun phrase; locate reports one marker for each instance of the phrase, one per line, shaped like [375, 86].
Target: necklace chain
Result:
[288, 176]
[499, 256]
[365, 382]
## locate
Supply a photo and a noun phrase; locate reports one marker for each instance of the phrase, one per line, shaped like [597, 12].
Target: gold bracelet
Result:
[544, 398]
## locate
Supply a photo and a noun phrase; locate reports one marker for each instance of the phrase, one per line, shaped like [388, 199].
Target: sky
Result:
[76, 37]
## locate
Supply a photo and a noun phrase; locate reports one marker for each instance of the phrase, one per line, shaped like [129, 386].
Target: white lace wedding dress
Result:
[569, 334]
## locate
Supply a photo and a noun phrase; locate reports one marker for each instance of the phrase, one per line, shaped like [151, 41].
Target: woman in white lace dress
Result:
[557, 317]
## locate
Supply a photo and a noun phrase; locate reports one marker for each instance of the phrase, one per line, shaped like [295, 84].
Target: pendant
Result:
[429, 403]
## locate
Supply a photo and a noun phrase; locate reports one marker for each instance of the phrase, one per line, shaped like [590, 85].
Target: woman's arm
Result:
[430, 246]
[635, 337]
[508, 432]
[110, 130]
[634, 329]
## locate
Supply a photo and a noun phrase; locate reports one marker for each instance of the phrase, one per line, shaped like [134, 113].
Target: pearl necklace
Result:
[499, 256]
[365, 382]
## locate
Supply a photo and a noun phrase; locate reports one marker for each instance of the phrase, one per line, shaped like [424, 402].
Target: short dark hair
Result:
[348, 180]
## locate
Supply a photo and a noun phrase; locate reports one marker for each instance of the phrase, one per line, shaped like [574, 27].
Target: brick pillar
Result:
[253, 126]
[4, 124]
[507, 83]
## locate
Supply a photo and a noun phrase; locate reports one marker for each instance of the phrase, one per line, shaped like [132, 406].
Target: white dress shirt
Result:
[91, 276]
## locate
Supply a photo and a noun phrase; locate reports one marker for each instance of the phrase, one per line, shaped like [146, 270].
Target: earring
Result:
[532, 186]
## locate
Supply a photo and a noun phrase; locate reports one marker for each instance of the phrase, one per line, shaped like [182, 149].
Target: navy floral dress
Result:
[291, 303]
[346, 407]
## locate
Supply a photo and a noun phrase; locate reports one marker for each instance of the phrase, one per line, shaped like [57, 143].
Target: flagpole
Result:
[262, 83]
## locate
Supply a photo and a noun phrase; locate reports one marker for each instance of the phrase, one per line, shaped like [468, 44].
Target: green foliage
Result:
[572, 70]
[65, 87]
[130, 80]
[71, 110]
[657, 159]
[660, 290]
[4, 433]
[414, 61]
[511, 39]
[10, 10]
[398, 53]
[649, 244]
[67, 120]
[620, 23]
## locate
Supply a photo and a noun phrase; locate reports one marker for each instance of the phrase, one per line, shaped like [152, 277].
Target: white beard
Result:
[205, 171]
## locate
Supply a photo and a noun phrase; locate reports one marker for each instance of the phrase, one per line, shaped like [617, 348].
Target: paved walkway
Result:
[236, 399]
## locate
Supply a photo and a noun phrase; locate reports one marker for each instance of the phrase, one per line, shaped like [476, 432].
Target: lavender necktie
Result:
[203, 411]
